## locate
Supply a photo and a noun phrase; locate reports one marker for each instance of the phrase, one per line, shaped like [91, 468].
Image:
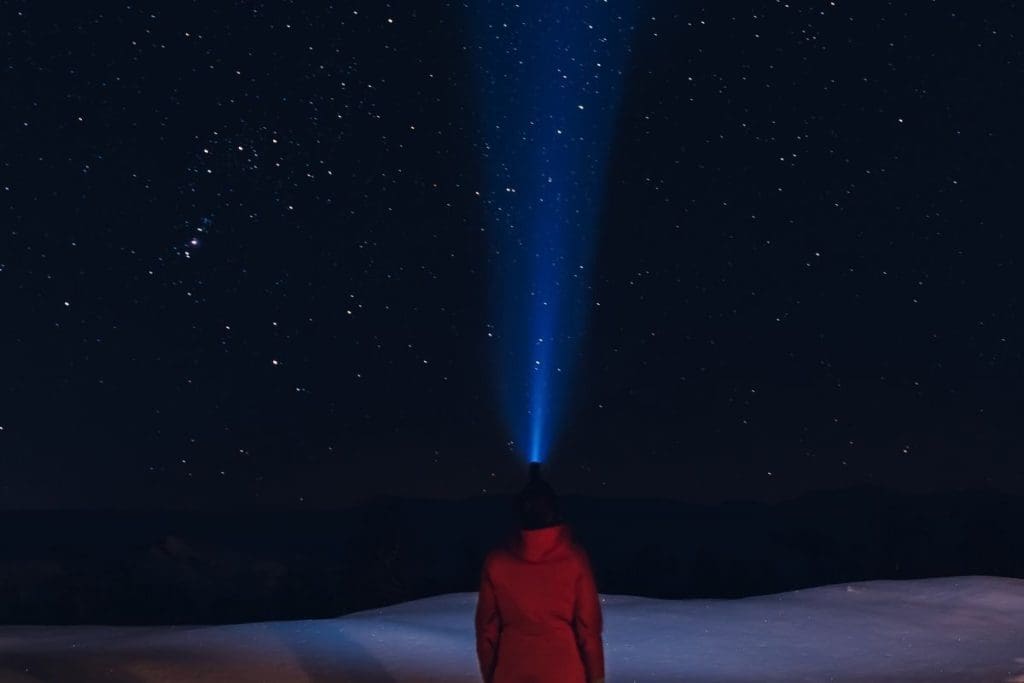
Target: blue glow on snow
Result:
[549, 75]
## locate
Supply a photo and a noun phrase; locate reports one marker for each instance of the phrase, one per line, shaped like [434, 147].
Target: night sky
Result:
[246, 253]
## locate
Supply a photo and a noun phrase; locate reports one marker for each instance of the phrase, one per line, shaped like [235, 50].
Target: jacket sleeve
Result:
[587, 622]
[488, 626]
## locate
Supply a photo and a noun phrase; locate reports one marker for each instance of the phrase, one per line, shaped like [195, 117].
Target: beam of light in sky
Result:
[549, 76]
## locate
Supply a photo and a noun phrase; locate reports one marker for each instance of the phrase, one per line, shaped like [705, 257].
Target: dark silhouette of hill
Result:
[259, 564]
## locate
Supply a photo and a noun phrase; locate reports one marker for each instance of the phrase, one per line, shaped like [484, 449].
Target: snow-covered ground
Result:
[956, 629]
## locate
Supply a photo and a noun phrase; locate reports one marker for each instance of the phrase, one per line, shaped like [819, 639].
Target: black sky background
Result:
[807, 273]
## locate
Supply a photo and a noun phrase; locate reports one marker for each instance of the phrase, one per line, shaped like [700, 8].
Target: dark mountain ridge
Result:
[154, 566]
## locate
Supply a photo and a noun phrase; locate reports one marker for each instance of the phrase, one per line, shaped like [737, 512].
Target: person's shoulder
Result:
[579, 553]
[497, 557]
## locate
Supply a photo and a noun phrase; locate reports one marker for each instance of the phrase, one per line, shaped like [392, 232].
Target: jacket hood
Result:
[536, 545]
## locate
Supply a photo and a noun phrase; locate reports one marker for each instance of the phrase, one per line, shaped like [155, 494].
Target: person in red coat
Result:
[538, 617]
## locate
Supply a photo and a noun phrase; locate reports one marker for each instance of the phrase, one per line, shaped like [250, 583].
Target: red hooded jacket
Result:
[538, 618]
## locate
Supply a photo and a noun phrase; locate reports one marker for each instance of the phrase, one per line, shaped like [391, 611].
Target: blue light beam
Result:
[549, 76]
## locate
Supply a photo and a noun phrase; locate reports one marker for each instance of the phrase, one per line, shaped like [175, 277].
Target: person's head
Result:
[538, 503]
